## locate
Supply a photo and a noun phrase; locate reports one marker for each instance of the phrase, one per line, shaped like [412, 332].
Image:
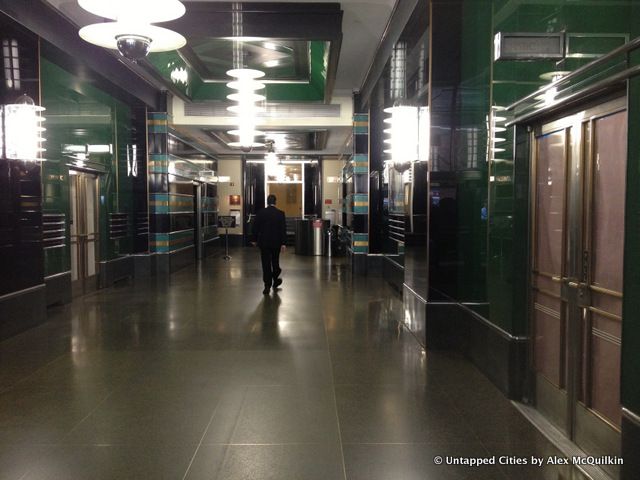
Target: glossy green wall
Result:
[592, 28]
[80, 114]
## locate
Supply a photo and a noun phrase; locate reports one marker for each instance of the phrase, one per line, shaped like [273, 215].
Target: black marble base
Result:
[375, 265]
[500, 356]
[149, 265]
[415, 310]
[113, 270]
[216, 246]
[58, 289]
[359, 263]
[181, 258]
[630, 445]
[393, 273]
[142, 265]
[22, 310]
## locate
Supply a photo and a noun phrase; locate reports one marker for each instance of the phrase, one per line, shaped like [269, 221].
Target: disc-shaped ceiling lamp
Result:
[132, 32]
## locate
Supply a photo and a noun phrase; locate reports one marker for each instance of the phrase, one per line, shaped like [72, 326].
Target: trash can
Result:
[304, 238]
[319, 229]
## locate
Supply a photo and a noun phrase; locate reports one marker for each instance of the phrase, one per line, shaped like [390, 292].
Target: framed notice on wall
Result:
[236, 214]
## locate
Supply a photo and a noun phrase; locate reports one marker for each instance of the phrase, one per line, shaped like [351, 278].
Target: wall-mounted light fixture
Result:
[22, 133]
[408, 134]
[496, 132]
[132, 33]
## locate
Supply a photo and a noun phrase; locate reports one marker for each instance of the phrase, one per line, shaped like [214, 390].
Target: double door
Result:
[578, 204]
[83, 193]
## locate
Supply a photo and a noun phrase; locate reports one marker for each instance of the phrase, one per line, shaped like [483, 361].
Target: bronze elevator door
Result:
[578, 194]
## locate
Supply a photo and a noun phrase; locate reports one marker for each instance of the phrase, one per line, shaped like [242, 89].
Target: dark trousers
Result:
[270, 265]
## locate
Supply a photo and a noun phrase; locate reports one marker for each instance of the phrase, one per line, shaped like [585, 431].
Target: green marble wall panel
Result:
[80, 114]
[592, 28]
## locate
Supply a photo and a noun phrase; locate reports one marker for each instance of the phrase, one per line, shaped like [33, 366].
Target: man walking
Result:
[270, 231]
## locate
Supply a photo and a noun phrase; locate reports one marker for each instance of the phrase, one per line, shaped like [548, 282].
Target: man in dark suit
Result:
[270, 232]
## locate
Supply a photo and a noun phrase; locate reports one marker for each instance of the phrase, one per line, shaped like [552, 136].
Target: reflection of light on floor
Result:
[85, 330]
[331, 322]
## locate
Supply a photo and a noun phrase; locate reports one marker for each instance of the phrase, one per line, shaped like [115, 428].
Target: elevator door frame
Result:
[82, 240]
[591, 431]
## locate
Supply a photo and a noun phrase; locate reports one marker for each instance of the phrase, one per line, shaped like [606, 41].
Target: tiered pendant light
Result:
[245, 83]
[248, 106]
[132, 32]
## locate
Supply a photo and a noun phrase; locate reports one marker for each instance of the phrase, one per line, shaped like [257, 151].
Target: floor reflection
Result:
[201, 376]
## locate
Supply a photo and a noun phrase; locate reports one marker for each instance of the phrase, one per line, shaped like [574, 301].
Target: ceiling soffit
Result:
[297, 45]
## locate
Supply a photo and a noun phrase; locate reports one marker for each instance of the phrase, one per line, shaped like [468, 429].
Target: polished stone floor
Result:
[200, 376]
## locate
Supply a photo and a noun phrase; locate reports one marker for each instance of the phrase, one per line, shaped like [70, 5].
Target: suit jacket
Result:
[270, 228]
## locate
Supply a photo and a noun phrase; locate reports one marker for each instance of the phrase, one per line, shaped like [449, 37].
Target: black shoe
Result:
[276, 283]
[266, 290]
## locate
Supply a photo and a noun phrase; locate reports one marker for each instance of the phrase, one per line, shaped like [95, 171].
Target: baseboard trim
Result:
[58, 288]
[22, 310]
[114, 270]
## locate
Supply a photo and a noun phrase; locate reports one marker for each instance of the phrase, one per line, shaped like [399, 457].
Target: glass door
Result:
[83, 190]
[576, 284]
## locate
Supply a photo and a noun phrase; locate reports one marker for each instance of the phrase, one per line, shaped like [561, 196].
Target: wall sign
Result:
[528, 46]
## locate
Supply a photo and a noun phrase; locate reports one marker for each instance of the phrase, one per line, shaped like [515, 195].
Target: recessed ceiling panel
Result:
[280, 60]
[283, 140]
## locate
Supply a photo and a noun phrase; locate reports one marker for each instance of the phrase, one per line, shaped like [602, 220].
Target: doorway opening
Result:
[84, 231]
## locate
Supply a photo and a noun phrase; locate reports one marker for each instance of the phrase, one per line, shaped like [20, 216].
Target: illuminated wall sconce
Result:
[496, 132]
[424, 134]
[22, 130]
[234, 200]
[409, 134]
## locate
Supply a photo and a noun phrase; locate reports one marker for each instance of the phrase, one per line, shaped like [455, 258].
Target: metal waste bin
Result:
[319, 235]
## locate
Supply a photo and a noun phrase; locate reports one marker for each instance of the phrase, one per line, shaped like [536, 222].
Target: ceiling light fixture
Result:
[132, 33]
[248, 106]
[245, 83]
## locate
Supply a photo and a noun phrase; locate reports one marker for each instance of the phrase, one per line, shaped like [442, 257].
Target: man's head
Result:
[271, 200]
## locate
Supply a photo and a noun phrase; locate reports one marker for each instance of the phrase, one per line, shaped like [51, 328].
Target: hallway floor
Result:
[200, 376]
